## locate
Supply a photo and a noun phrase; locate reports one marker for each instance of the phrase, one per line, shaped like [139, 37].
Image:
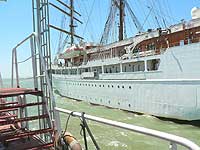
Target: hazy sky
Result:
[16, 24]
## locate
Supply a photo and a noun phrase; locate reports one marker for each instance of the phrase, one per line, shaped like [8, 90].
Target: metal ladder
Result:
[41, 27]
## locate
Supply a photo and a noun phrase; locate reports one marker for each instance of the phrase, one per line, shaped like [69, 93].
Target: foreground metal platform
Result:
[14, 132]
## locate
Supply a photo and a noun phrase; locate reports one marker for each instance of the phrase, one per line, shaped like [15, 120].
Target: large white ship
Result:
[155, 72]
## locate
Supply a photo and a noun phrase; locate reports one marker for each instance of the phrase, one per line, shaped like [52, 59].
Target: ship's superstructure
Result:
[155, 72]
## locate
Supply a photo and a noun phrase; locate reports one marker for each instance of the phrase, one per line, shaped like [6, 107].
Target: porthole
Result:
[95, 85]
[129, 87]
[112, 86]
[99, 85]
[118, 86]
[103, 85]
[129, 105]
[109, 102]
[108, 86]
[122, 86]
[118, 103]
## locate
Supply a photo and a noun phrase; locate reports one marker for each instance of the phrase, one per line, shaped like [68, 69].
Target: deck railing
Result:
[1, 81]
[173, 140]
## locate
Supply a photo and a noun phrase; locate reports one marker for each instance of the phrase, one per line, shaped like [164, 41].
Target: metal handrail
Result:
[43, 65]
[15, 62]
[173, 139]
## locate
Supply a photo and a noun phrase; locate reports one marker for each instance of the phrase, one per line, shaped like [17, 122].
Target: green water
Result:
[111, 138]
[118, 139]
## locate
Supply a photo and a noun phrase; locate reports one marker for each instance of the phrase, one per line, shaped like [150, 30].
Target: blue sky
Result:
[16, 23]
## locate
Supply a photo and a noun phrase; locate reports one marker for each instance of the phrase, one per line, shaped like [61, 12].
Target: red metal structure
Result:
[14, 133]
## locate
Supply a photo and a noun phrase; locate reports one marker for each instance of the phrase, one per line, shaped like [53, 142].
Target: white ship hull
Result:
[172, 91]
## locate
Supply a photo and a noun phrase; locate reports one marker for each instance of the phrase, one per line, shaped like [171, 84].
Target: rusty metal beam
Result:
[23, 134]
[11, 92]
[59, 29]
[68, 7]
[22, 105]
[65, 12]
[13, 121]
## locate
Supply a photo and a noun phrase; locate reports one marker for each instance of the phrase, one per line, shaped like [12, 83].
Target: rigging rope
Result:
[85, 128]
[86, 20]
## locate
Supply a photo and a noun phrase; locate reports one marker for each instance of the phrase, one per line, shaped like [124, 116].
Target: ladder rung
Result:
[42, 19]
[46, 56]
[43, 32]
[24, 134]
[43, 44]
[43, 4]
[13, 121]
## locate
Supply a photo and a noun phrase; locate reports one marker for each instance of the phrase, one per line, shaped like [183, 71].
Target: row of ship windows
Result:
[129, 105]
[95, 85]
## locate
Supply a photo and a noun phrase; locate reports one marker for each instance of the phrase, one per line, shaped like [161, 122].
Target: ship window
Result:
[108, 85]
[58, 71]
[112, 86]
[123, 87]
[95, 85]
[109, 102]
[53, 71]
[99, 85]
[133, 68]
[129, 87]
[138, 67]
[129, 105]
[118, 86]
[106, 70]
[153, 64]
[118, 103]
[103, 85]
[110, 70]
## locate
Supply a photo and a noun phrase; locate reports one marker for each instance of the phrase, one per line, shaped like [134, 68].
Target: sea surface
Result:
[112, 138]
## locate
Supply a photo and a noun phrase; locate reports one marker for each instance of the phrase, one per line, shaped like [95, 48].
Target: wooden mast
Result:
[121, 21]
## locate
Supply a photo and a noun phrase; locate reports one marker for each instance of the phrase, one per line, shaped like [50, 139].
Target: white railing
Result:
[172, 139]
[1, 81]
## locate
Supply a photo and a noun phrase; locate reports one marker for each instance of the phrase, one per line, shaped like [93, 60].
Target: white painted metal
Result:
[1, 81]
[173, 139]
[171, 91]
